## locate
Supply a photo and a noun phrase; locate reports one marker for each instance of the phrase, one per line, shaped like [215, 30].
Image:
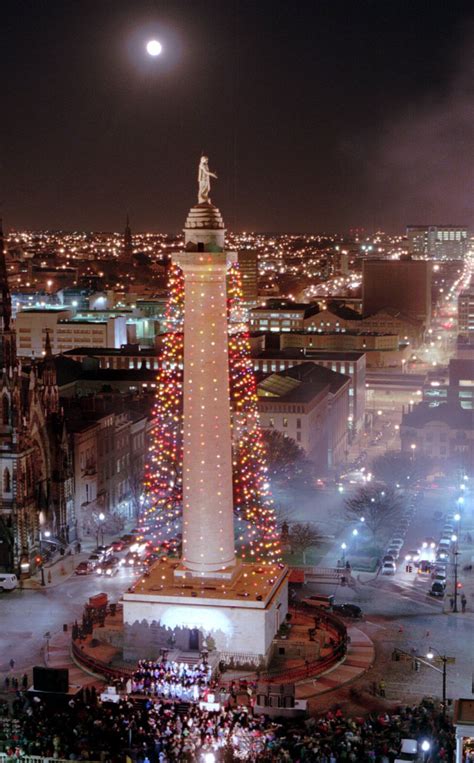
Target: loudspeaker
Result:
[51, 679]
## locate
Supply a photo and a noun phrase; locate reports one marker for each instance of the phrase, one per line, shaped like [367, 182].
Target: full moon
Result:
[153, 48]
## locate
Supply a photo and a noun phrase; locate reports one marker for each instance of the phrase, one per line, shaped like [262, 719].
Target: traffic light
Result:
[38, 560]
[458, 585]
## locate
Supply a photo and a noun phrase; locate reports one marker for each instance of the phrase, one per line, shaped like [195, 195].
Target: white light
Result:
[457, 517]
[343, 546]
[425, 745]
[101, 516]
[355, 532]
[429, 655]
[209, 757]
[454, 538]
[362, 519]
[154, 48]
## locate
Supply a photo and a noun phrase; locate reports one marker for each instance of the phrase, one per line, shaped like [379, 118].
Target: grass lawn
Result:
[313, 556]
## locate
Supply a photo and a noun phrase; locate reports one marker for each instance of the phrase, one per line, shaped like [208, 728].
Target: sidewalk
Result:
[359, 658]
[60, 568]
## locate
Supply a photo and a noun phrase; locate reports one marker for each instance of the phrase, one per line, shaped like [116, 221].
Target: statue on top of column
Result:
[204, 180]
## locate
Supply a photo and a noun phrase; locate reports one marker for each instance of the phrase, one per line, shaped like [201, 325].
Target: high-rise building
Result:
[403, 284]
[248, 265]
[438, 242]
[466, 312]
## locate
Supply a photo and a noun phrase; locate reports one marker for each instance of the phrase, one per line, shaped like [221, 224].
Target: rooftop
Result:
[446, 413]
[294, 353]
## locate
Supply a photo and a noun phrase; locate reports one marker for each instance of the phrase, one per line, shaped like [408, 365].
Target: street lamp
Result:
[413, 448]
[100, 527]
[343, 548]
[430, 655]
[456, 553]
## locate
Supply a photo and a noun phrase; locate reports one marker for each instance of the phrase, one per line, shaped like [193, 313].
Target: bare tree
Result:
[303, 536]
[380, 506]
[397, 467]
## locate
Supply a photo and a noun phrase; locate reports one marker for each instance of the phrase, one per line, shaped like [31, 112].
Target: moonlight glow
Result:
[154, 48]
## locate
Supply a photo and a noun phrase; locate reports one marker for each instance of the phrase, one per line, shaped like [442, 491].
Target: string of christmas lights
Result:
[252, 499]
[163, 474]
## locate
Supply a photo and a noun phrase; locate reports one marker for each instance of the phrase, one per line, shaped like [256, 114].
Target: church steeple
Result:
[7, 335]
[6, 301]
[127, 240]
[49, 391]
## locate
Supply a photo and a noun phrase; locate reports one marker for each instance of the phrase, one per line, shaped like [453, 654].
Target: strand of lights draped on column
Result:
[252, 499]
[163, 477]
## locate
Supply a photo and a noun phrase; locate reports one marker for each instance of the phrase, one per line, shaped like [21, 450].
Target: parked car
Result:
[440, 576]
[389, 568]
[389, 558]
[393, 551]
[437, 589]
[8, 581]
[347, 610]
[83, 568]
[398, 542]
[320, 600]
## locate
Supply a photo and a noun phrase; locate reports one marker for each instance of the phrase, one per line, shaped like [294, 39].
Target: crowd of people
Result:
[172, 680]
[153, 730]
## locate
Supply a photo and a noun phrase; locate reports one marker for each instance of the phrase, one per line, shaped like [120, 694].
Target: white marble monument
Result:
[208, 594]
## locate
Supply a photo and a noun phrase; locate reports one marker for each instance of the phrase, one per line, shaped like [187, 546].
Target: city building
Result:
[381, 350]
[444, 433]
[310, 404]
[65, 331]
[248, 266]
[351, 364]
[466, 312]
[438, 242]
[283, 315]
[403, 285]
[130, 356]
[36, 477]
[109, 436]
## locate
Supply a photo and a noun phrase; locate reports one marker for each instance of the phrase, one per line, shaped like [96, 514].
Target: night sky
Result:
[317, 116]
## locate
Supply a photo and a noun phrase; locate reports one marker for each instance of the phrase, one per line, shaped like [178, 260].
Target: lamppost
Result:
[101, 520]
[413, 448]
[355, 534]
[100, 527]
[456, 553]
[343, 549]
[430, 656]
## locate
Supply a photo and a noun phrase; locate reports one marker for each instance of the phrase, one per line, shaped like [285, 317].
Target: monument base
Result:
[239, 618]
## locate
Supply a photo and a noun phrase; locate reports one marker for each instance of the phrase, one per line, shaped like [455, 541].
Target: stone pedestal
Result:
[238, 618]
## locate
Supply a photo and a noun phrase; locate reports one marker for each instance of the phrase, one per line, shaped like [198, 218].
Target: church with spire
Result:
[36, 474]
